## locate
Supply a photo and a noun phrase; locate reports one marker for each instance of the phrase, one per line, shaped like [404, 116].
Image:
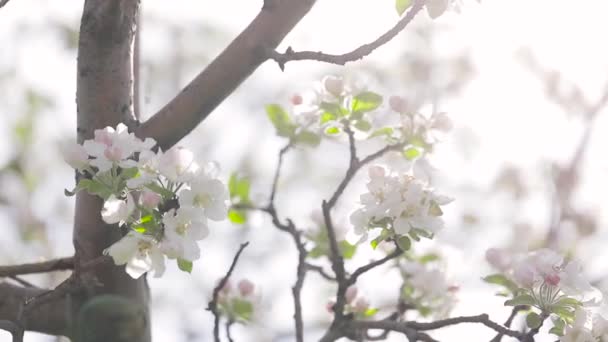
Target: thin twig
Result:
[212, 306]
[356, 54]
[353, 278]
[509, 321]
[228, 334]
[3, 2]
[320, 271]
[38, 267]
[277, 173]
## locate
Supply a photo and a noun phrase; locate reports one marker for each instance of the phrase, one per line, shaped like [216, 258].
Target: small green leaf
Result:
[533, 320]
[374, 243]
[129, 173]
[280, 119]
[366, 102]
[308, 138]
[317, 252]
[363, 125]
[327, 117]
[565, 313]
[243, 309]
[523, 299]
[166, 194]
[500, 279]
[332, 108]
[184, 265]
[568, 302]
[347, 249]
[411, 153]
[333, 130]
[69, 193]
[370, 312]
[404, 243]
[402, 5]
[427, 258]
[95, 188]
[237, 216]
[387, 131]
[238, 187]
[558, 327]
[435, 209]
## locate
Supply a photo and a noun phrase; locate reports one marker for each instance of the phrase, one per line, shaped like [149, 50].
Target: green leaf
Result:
[411, 153]
[435, 209]
[558, 327]
[566, 314]
[308, 138]
[386, 131]
[327, 117]
[568, 302]
[533, 320]
[237, 216]
[333, 130]
[166, 194]
[317, 252]
[366, 102]
[243, 309]
[500, 279]
[402, 5]
[95, 188]
[238, 187]
[281, 120]
[347, 249]
[333, 108]
[523, 299]
[404, 243]
[129, 173]
[184, 265]
[363, 125]
[370, 312]
[427, 258]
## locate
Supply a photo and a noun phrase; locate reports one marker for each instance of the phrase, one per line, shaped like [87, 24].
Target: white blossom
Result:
[75, 155]
[208, 194]
[140, 253]
[112, 147]
[178, 165]
[183, 227]
[117, 210]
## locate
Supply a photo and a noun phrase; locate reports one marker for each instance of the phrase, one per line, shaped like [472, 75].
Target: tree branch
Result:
[3, 2]
[48, 318]
[245, 54]
[212, 306]
[359, 271]
[38, 267]
[356, 54]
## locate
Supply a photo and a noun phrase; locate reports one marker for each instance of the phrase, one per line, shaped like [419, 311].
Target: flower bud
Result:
[330, 306]
[498, 258]
[246, 287]
[552, 279]
[376, 172]
[350, 294]
[296, 99]
[333, 85]
[150, 199]
[361, 305]
[398, 104]
[75, 155]
[442, 122]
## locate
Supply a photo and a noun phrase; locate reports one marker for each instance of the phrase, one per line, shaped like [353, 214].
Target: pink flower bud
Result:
[103, 136]
[361, 305]
[398, 104]
[150, 199]
[524, 274]
[296, 99]
[376, 172]
[350, 294]
[453, 288]
[333, 85]
[442, 122]
[246, 287]
[113, 153]
[552, 279]
[75, 155]
[498, 258]
[330, 306]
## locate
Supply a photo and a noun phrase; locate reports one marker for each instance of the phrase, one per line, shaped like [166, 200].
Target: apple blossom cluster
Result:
[545, 280]
[162, 200]
[238, 304]
[356, 304]
[402, 206]
[427, 289]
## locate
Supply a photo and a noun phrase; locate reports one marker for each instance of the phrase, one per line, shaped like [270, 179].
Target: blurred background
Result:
[522, 80]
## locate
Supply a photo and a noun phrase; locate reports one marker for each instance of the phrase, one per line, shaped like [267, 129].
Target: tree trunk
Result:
[104, 97]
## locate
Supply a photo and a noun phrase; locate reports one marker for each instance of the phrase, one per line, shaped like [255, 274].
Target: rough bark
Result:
[104, 98]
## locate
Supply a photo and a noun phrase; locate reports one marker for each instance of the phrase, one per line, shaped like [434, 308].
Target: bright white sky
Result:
[504, 106]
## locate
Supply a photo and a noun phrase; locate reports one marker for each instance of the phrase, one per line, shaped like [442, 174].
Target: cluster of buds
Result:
[238, 304]
[162, 200]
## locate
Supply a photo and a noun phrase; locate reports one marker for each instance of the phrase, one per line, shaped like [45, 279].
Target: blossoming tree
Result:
[142, 201]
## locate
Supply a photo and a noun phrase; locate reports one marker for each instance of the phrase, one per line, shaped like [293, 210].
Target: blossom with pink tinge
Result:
[246, 287]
